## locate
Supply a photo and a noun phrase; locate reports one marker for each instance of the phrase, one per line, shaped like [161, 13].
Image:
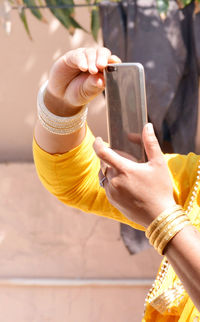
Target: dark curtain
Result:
[170, 53]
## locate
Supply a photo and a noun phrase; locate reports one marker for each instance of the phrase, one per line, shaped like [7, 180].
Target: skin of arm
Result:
[141, 192]
[183, 254]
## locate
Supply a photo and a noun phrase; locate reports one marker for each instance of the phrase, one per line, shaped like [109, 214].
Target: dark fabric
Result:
[170, 53]
[196, 25]
[134, 240]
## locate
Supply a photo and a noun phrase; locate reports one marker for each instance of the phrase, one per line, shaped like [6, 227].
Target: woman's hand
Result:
[76, 78]
[141, 191]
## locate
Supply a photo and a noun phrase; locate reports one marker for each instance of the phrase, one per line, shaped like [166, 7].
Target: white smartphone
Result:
[126, 108]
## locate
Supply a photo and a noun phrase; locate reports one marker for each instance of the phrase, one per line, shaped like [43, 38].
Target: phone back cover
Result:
[126, 109]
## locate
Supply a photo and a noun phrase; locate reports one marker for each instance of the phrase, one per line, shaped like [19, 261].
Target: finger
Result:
[84, 88]
[91, 55]
[109, 156]
[114, 60]
[77, 59]
[100, 174]
[126, 155]
[92, 86]
[103, 55]
[102, 179]
[151, 144]
[104, 167]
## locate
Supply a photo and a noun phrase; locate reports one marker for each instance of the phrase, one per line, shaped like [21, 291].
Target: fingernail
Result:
[100, 83]
[150, 129]
[99, 139]
[83, 66]
[102, 62]
[93, 70]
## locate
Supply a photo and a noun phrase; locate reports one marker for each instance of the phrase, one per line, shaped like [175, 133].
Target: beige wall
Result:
[43, 243]
[24, 65]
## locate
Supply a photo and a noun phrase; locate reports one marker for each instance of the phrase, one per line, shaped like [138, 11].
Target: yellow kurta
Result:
[73, 178]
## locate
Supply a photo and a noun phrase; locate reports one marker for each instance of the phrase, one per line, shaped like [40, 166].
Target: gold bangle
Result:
[170, 235]
[168, 228]
[160, 218]
[159, 228]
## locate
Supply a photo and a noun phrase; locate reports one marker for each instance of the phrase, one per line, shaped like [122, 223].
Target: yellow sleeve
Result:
[183, 170]
[73, 178]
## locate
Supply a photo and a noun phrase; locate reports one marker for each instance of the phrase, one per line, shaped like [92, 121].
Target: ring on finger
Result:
[101, 182]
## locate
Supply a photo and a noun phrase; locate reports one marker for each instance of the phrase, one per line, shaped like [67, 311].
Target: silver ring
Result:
[101, 182]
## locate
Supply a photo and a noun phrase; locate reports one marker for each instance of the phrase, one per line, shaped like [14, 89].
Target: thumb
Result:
[92, 86]
[84, 88]
[151, 144]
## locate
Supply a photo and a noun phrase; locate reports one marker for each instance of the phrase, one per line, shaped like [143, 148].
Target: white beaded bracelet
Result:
[58, 124]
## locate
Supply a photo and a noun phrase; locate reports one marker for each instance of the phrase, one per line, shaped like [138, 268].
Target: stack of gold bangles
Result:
[166, 226]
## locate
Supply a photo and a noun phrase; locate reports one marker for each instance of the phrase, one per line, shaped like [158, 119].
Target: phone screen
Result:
[126, 108]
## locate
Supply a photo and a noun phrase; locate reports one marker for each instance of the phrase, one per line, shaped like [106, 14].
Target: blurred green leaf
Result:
[40, 2]
[64, 14]
[185, 2]
[66, 2]
[162, 6]
[36, 12]
[75, 24]
[60, 14]
[25, 23]
[95, 22]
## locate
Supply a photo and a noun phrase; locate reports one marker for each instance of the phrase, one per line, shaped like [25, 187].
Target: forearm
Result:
[54, 143]
[183, 252]
[57, 144]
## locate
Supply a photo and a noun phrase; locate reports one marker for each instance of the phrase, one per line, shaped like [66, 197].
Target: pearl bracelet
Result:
[58, 124]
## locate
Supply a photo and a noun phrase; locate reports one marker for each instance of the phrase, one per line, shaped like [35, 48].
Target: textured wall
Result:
[44, 240]
[24, 65]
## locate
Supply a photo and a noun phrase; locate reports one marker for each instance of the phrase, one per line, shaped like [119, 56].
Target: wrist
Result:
[59, 124]
[169, 223]
[176, 243]
[59, 106]
[155, 211]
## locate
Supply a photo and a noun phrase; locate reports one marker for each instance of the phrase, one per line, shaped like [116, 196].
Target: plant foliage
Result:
[64, 11]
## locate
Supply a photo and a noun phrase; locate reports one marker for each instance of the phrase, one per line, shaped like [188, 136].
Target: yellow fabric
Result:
[183, 170]
[73, 178]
